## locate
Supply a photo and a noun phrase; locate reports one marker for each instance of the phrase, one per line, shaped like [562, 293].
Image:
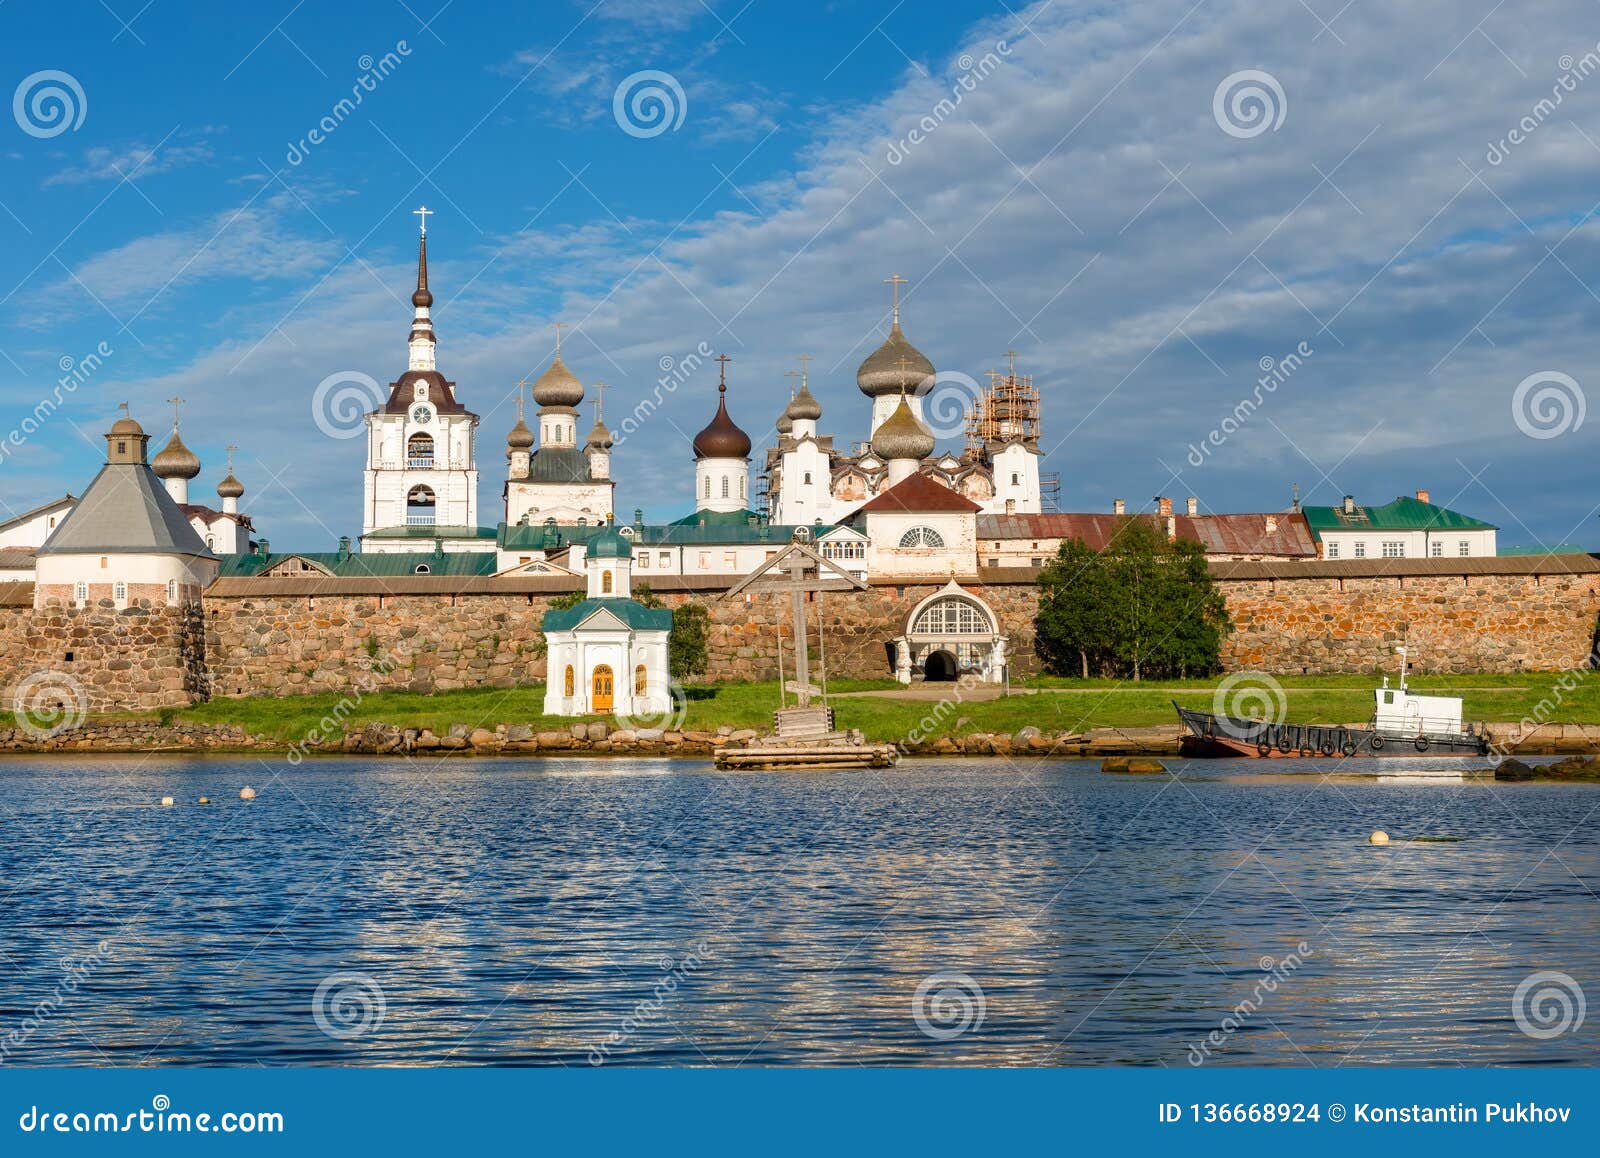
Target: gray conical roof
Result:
[125, 510]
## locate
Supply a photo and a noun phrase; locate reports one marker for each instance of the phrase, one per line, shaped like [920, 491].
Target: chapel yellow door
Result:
[601, 699]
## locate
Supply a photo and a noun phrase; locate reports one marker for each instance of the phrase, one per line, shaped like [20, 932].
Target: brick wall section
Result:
[280, 638]
[1449, 623]
[146, 655]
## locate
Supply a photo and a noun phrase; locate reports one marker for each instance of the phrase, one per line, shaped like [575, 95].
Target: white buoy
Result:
[247, 793]
[205, 800]
[1379, 837]
[166, 802]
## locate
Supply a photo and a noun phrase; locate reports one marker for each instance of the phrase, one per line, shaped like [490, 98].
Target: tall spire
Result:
[422, 339]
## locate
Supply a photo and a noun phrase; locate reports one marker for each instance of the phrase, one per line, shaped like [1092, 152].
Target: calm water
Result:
[654, 912]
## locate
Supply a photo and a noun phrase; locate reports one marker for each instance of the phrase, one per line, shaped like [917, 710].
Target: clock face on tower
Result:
[422, 414]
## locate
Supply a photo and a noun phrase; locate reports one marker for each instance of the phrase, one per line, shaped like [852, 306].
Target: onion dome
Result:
[600, 436]
[175, 460]
[896, 367]
[785, 424]
[608, 544]
[902, 436]
[520, 437]
[722, 439]
[804, 406]
[230, 488]
[558, 386]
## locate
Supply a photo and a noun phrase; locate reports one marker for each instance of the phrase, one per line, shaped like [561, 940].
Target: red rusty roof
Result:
[1241, 534]
[918, 492]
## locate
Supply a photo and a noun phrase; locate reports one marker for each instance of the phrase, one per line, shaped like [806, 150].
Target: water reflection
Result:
[662, 913]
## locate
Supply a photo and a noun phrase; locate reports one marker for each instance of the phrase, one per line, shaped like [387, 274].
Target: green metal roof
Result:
[355, 566]
[636, 615]
[1404, 514]
[431, 532]
[719, 519]
[608, 544]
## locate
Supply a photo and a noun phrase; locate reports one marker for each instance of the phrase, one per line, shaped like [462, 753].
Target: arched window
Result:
[708, 486]
[420, 507]
[423, 569]
[951, 617]
[922, 537]
[419, 452]
[80, 592]
[1016, 480]
[641, 680]
[808, 478]
[172, 590]
[605, 583]
[570, 684]
[741, 486]
[724, 486]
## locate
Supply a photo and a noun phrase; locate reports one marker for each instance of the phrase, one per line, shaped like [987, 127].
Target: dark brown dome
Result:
[722, 439]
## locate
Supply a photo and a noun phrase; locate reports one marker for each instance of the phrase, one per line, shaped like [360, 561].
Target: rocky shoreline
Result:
[599, 739]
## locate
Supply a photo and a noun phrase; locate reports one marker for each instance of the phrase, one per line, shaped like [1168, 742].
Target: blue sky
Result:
[1094, 201]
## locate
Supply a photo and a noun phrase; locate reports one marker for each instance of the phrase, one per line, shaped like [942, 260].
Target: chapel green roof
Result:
[430, 531]
[1404, 514]
[369, 566]
[635, 614]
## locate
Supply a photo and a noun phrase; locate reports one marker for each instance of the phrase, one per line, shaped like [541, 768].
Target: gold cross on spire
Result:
[722, 373]
[897, 281]
[599, 400]
[521, 384]
[176, 403]
[791, 374]
[1011, 363]
[422, 214]
[559, 327]
[231, 449]
[804, 359]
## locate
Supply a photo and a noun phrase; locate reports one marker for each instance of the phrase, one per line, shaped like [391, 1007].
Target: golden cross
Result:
[176, 402]
[559, 327]
[1011, 358]
[522, 383]
[791, 374]
[897, 281]
[599, 399]
[804, 358]
[231, 449]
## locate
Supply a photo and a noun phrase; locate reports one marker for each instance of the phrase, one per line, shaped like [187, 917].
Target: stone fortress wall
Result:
[287, 637]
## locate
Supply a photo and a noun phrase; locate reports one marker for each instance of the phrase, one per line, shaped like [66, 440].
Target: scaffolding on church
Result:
[1008, 410]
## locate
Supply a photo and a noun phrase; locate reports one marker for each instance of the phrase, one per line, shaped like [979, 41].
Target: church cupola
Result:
[558, 394]
[598, 444]
[519, 442]
[175, 464]
[722, 457]
[422, 340]
[608, 562]
[230, 490]
[804, 409]
[894, 369]
[126, 441]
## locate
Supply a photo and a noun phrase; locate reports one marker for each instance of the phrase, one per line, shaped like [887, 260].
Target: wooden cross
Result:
[423, 214]
[897, 281]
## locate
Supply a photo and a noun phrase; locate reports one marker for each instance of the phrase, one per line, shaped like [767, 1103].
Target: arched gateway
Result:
[951, 633]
